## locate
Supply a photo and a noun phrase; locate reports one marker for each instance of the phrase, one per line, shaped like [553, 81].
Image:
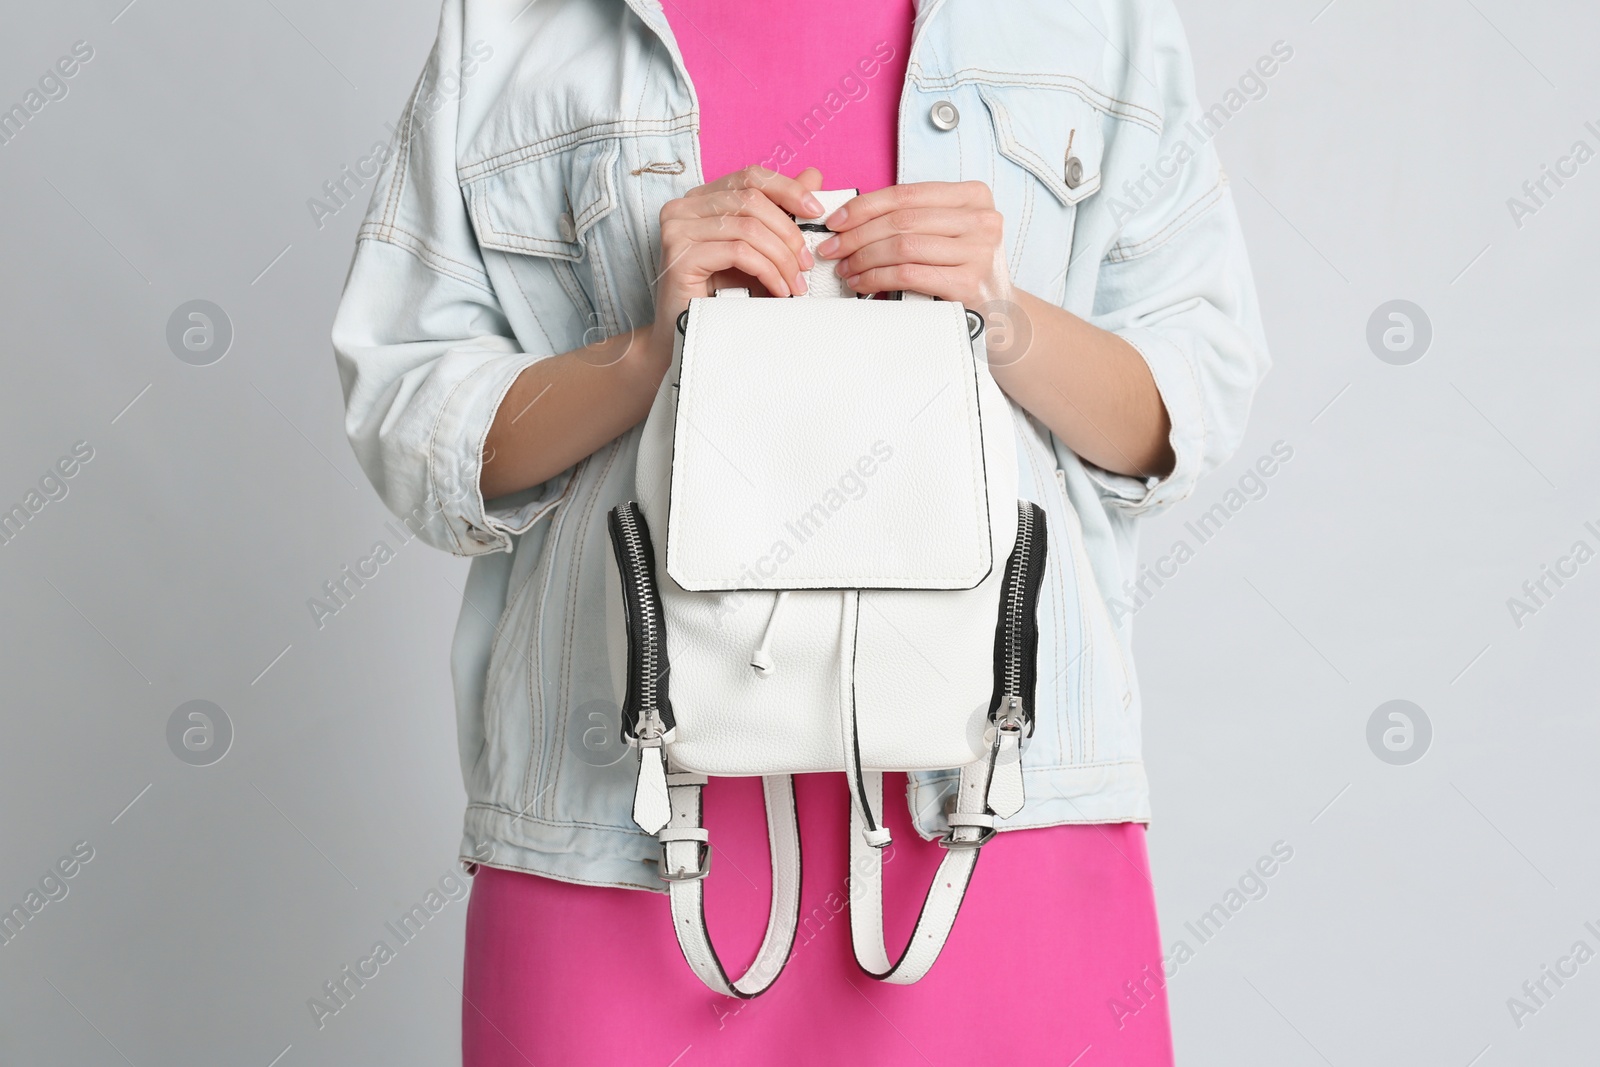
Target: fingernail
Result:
[834, 221]
[807, 260]
[812, 205]
[827, 248]
[800, 283]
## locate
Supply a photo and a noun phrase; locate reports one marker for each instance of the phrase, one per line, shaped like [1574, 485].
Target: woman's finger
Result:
[927, 249]
[788, 193]
[934, 221]
[750, 202]
[681, 258]
[707, 257]
[868, 206]
[757, 234]
[946, 283]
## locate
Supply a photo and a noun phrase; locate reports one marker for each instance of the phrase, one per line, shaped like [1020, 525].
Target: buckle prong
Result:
[949, 840]
[702, 859]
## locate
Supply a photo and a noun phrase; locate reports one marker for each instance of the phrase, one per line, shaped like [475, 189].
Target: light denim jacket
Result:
[518, 217]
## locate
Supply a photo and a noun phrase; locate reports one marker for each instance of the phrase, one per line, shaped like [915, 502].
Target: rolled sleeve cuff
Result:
[456, 454]
[1179, 389]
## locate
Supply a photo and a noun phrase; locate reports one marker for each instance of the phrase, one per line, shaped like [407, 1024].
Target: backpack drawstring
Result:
[761, 658]
[873, 832]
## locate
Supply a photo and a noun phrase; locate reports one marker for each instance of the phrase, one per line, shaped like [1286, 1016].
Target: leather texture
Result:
[828, 444]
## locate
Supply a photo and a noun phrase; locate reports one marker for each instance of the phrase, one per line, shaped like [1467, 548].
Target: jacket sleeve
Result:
[424, 350]
[1177, 286]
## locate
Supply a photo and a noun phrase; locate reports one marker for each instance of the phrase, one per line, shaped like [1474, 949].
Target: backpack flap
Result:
[829, 444]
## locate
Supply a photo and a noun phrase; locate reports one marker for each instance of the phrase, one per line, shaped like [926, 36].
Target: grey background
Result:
[1377, 566]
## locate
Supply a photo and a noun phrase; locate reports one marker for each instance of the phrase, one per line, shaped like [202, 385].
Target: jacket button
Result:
[944, 115]
[1074, 173]
[565, 225]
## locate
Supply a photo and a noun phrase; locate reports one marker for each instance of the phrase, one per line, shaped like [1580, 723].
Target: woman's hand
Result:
[1089, 387]
[735, 231]
[730, 232]
[944, 239]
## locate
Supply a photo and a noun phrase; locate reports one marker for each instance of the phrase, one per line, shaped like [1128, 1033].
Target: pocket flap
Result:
[1052, 134]
[543, 206]
[827, 444]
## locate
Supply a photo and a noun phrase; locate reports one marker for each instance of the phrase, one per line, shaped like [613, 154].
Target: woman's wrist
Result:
[654, 347]
[1088, 386]
[568, 406]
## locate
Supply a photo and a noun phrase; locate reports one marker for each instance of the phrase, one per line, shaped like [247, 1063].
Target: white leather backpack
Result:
[827, 569]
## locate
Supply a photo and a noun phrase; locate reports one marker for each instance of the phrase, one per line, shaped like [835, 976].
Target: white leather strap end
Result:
[831, 200]
[1005, 780]
[878, 838]
[650, 807]
[821, 279]
[685, 778]
[970, 818]
[682, 833]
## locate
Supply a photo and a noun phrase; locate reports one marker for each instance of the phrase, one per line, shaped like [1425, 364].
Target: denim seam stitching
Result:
[433, 456]
[1136, 113]
[557, 824]
[1191, 213]
[391, 205]
[427, 255]
[514, 868]
[468, 173]
[572, 601]
[522, 291]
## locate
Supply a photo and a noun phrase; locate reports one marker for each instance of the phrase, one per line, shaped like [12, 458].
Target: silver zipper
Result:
[1011, 714]
[650, 729]
[1017, 644]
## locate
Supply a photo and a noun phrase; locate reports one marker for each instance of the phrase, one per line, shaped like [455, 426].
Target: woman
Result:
[571, 173]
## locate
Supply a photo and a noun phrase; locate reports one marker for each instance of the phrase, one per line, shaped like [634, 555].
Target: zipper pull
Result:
[1005, 762]
[651, 809]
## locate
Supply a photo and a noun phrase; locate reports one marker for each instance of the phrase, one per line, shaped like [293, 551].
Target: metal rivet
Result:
[1074, 174]
[567, 231]
[944, 115]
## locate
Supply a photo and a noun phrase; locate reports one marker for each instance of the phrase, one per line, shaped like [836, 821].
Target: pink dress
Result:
[1055, 957]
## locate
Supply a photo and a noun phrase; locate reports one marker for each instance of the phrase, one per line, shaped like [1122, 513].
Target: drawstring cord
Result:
[873, 831]
[761, 658]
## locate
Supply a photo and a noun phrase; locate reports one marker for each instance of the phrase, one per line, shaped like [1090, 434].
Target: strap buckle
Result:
[688, 874]
[949, 840]
[958, 820]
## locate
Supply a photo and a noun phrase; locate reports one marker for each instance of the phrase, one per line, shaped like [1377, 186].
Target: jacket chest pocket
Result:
[547, 217]
[1050, 143]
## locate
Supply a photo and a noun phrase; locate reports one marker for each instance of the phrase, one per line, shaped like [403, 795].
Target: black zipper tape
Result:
[646, 622]
[1016, 634]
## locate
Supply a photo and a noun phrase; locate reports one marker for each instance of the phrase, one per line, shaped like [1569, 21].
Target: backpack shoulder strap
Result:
[971, 826]
[686, 860]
